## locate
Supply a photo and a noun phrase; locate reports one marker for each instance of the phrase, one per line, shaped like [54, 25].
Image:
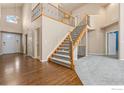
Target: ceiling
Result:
[71, 6]
[65, 6]
[9, 5]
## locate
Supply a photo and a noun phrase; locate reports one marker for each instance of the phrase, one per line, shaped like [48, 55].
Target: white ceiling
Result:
[71, 6]
[8, 5]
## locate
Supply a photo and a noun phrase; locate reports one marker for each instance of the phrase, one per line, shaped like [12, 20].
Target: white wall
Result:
[27, 29]
[0, 44]
[11, 27]
[52, 33]
[37, 26]
[0, 32]
[121, 32]
[0, 12]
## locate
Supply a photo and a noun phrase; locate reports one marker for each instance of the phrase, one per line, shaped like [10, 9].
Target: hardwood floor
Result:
[17, 69]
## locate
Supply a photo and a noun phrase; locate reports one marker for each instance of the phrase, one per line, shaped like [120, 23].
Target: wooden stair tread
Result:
[57, 54]
[60, 60]
[63, 51]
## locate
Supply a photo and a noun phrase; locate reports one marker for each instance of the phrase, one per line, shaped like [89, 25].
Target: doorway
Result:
[26, 44]
[112, 44]
[37, 40]
[11, 43]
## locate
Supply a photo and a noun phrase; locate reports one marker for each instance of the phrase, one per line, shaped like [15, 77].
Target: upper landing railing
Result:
[52, 12]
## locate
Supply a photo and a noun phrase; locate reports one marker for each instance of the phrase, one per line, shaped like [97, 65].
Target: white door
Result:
[18, 43]
[111, 43]
[10, 43]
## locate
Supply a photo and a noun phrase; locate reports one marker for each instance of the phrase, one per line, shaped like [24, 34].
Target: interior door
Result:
[18, 43]
[111, 43]
[38, 43]
[10, 43]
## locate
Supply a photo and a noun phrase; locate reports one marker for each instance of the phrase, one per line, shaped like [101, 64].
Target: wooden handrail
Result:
[71, 52]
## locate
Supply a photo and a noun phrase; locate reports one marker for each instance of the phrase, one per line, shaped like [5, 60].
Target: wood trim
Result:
[71, 53]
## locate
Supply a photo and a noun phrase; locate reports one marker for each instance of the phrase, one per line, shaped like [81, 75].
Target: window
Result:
[11, 19]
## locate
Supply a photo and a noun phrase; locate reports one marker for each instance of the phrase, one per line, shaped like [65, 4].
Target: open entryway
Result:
[112, 44]
[11, 43]
[36, 43]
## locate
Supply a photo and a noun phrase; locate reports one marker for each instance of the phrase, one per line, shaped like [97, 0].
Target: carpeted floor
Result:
[100, 70]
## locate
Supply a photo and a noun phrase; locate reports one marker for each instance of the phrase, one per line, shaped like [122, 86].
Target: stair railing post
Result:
[71, 52]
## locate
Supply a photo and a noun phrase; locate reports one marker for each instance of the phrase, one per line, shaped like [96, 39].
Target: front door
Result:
[11, 43]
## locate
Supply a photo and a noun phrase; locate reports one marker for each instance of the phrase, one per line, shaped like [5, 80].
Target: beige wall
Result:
[96, 38]
[52, 33]
[112, 13]
[88, 9]
[11, 27]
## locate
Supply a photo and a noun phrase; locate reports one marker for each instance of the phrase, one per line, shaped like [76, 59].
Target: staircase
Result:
[63, 55]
